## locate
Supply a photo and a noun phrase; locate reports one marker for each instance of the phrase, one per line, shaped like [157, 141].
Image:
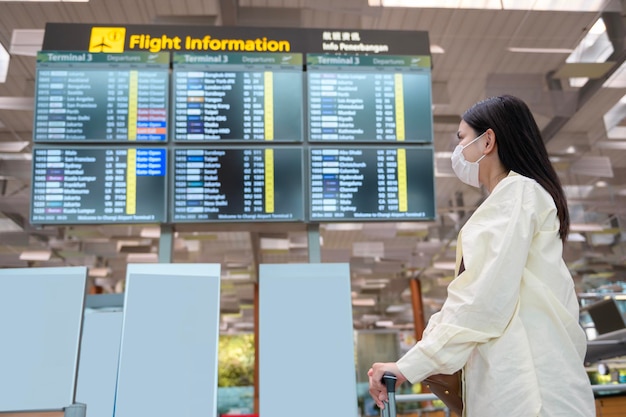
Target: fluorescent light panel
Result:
[4, 63]
[445, 265]
[142, 257]
[363, 302]
[594, 47]
[15, 156]
[35, 255]
[26, 42]
[541, 50]
[99, 272]
[17, 103]
[436, 49]
[16, 146]
[553, 5]
[585, 227]
[46, 1]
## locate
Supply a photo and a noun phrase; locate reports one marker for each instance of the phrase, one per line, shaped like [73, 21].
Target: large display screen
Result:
[98, 185]
[372, 183]
[237, 184]
[369, 98]
[80, 96]
[235, 135]
[238, 97]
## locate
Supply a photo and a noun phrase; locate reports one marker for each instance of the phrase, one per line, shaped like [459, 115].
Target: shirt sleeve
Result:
[481, 301]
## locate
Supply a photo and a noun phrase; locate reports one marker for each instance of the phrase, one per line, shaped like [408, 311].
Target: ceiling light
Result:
[436, 49]
[36, 255]
[577, 191]
[4, 63]
[374, 286]
[274, 244]
[14, 156]
[601, 239]
[17, 103]
[17, 146]
[142, 258]
[397, 308]
[244, 326]
[99, 272]
[541, 50]
[571, 5]
[192, 245]
[447, 265]
[150, 232]
[121, 243]
[412, 226]
[576, 237]
[586, 227]
[363, 302]
[26, 42]
[594, 166]
[241, 274]
[368, 249]
[610, 144]
[594, 48]
[555, 5]
[343, 227]
[47, 1]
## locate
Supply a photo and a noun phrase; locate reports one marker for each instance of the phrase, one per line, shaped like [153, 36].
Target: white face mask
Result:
[466, 171]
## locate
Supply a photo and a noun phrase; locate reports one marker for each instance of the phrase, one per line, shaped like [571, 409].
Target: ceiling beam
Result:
[229, 12]
[616, 32]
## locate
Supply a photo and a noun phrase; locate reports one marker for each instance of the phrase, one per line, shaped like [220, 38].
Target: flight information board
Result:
[97, 185]
[237, 184]
[238, 97]
[369, 98]
[373, 183]
[80, 96]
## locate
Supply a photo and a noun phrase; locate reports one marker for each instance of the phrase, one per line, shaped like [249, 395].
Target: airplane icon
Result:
[101, 45]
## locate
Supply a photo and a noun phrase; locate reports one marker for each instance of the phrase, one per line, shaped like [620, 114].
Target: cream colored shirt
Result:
[511, 318]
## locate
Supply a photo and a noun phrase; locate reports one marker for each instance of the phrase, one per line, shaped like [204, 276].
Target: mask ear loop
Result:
[475, 139]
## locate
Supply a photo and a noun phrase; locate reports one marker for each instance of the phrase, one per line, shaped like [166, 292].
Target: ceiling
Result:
[383, 256]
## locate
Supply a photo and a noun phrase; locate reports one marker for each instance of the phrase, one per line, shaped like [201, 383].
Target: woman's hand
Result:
[378, 391]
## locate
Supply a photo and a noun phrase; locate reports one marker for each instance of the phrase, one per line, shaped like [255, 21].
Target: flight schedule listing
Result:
[82, 96]
[364, 98]
[382, 183]
[237, 97]
[96, 185]
[236, 184]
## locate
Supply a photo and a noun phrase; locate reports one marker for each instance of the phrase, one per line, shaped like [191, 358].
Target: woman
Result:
[510, 321]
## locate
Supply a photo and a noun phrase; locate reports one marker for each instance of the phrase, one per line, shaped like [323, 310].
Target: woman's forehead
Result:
[464, 129]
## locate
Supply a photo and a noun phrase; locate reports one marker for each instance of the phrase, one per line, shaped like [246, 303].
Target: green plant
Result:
[236, 360]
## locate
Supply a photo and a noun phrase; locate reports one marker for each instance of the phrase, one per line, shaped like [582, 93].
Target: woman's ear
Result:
[490, 142]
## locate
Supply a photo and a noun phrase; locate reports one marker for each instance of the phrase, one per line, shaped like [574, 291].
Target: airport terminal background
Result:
[570, 74]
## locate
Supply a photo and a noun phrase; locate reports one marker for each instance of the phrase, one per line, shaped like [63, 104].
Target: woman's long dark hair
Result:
[520, 146]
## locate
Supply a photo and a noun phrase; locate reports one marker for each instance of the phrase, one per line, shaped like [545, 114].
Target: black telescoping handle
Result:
[390, 380]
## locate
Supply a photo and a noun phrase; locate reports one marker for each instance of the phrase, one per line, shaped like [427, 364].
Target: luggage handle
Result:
[389, 409]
